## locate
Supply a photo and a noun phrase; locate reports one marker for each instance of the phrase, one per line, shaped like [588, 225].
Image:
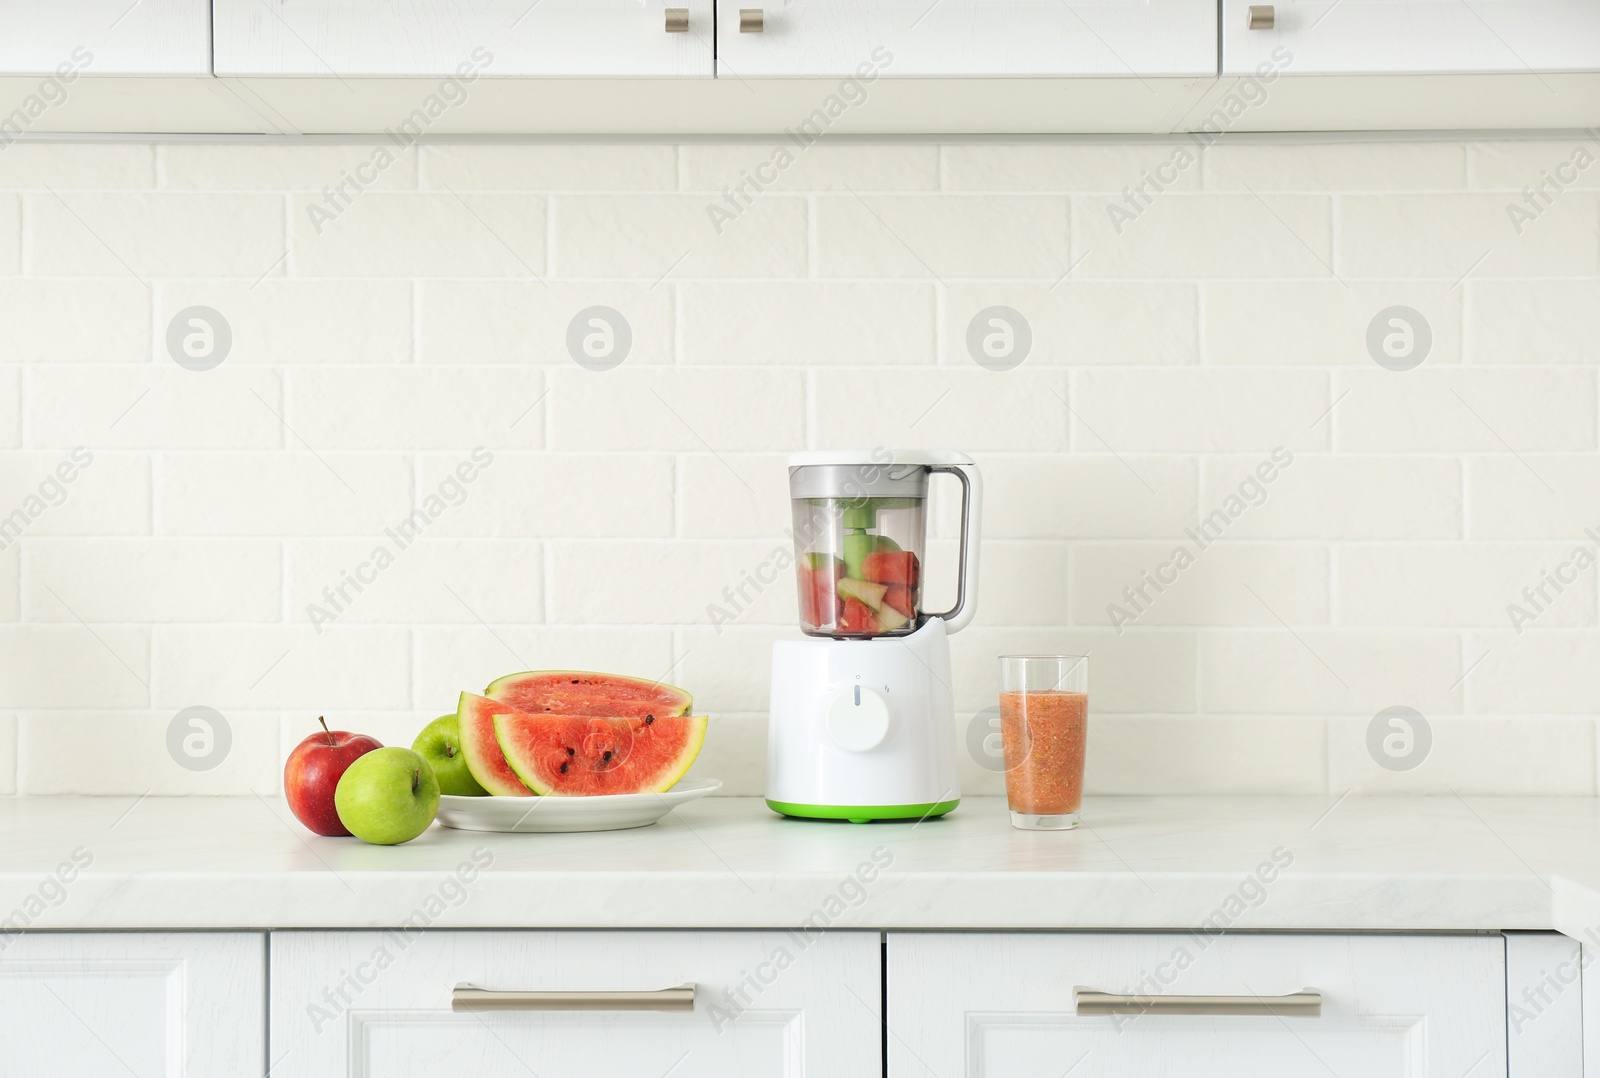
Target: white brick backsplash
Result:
[1451, 236]
[1464, 410]
[924, 408]
[1288, 323]
[1326, 671]
[296, 493]
[126, 753]
[1182, 235]
[651, 409]
[1175, 341]
[398, 580]
[452, 660]
[711, 167]
[415, 407]
[1228, 756]
[1124, 411]
[1534, 672]
[526, 322]
[1337, 166]
[1534, 322]
[1069, 168]
[1450, 585]
[734, 496]
[346, 667]
[1099, 323]
[110, 495]
[655, 237]
[122, 235]
[233, 166]
[939, 236]
[76, 666]
[157, 580]
[75, 321]
[739, 324]
[1227, 583]
[1528, 758]
[289, 322]
[550, 168]
[1536, 497]
[383, 234]
[1340, 497]
[160, 407]
[669, 583]
[557, 495]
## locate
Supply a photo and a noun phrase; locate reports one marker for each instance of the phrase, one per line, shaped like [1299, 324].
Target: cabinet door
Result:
[1003, 1004]
[833, 38]
[105, 37]
[435, 38]
[90, 1005]
[766, 1004]
[1404, 37]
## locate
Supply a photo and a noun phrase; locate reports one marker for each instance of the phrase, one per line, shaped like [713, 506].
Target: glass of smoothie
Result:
[1044, 720]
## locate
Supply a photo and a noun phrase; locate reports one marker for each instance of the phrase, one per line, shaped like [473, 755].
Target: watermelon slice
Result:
[586, 755]
[584, 692]
[475, 714]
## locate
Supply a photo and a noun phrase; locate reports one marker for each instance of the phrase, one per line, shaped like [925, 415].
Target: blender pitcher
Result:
[860, 533]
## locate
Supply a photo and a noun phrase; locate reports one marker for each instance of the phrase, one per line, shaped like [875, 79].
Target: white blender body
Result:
[862, 717]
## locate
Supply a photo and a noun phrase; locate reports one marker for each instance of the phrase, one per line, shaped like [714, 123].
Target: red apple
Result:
[312, 773]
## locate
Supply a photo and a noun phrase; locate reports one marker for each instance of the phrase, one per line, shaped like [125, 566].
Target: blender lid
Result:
[867, 473]
[880, 456]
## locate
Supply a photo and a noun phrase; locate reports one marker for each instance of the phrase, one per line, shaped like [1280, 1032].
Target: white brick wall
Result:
[1174, 345]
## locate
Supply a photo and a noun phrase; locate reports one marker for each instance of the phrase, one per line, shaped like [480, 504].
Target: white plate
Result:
[609, 812]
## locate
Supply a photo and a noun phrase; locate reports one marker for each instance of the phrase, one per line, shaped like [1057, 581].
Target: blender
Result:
[862, 721]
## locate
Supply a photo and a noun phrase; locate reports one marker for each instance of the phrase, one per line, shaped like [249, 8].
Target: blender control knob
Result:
[858, 718]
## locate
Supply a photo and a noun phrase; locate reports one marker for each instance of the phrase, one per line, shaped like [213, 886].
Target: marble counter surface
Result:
[1248, 863]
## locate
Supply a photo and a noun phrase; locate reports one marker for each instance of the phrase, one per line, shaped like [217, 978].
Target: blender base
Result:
[862, 813]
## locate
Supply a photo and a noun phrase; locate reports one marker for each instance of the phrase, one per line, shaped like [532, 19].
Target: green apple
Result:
[440, 745]
[391, 797]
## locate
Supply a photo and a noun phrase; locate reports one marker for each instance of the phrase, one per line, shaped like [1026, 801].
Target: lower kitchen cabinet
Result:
[94, 1004]
[1006, 1004]
[575, 1004]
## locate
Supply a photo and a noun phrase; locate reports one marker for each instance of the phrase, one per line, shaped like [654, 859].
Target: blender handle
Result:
[956, 618]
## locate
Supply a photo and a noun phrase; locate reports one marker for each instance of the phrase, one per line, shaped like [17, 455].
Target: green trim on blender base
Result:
[862, 813]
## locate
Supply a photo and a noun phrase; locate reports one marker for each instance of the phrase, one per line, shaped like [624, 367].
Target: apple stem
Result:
[416, 780]
[333, 742]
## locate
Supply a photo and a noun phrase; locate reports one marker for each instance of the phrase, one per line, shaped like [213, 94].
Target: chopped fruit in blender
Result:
[819, 603]
[891, 567]
[857, 617]
[898, 598]
[891, 619]
[864, 591]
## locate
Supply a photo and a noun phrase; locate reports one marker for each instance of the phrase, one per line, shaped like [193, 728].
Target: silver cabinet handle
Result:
[1306, 1003]
[466, 997]
[1262, 17]
[677, 20]
[752, 20]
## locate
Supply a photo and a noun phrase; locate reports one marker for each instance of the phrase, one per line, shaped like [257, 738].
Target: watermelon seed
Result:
[648, 719]
[607, 757]
[564, 768]
[572, 752]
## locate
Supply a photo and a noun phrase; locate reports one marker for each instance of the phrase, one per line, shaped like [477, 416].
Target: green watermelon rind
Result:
[469, 747]
[674, 700]
[529, 775]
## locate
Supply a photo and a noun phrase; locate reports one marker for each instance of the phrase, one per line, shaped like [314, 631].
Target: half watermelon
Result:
[585, 692]
[475, 714]
[588, 755]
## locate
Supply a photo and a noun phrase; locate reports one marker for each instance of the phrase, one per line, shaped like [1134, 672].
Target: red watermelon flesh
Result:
[588, 755]
[585, 692]
[475, 714]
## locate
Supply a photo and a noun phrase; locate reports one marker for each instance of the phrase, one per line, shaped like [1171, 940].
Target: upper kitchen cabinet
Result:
[1410, 37]
[441, 38]
[105, 37]
[966, 38]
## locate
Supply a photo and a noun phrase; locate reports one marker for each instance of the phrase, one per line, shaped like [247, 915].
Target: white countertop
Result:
[1391, 863]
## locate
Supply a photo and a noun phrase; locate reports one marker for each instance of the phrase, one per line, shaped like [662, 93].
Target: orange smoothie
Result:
[1042, 736]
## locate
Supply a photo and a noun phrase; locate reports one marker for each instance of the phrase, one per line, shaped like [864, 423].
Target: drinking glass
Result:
[1044, 720]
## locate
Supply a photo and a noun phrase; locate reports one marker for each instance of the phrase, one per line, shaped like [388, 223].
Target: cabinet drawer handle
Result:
[752, 20]
[466, 997]
[1261, 17]
[677, 20]
[1306, 1003]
